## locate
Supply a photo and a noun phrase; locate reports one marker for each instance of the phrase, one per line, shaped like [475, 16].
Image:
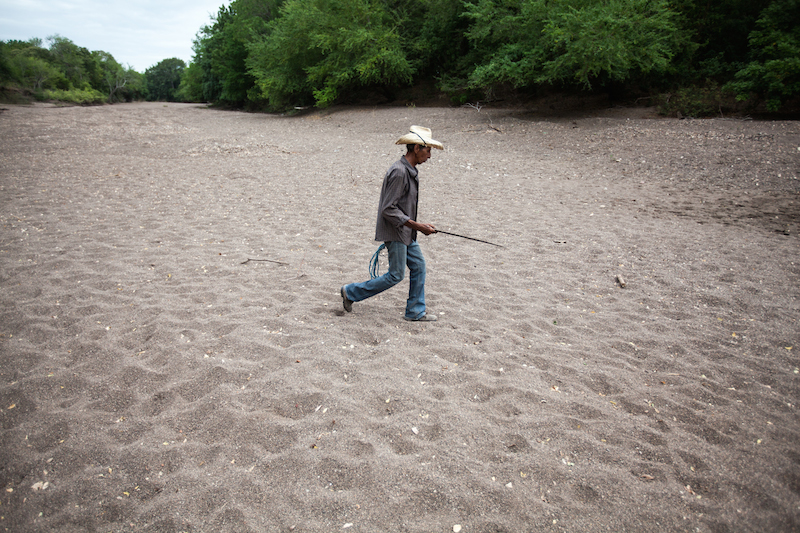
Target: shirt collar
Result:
[413, 171]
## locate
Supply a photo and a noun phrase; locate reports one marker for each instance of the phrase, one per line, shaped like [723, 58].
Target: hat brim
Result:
[412, 138]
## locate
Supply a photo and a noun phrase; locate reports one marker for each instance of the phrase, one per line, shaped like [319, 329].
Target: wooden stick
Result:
[267, 260]
[470, 238]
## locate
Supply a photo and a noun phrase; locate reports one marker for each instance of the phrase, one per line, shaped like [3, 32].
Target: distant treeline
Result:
[64, 71]
[279, 54]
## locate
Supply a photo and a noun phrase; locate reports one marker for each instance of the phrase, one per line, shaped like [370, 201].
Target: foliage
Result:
[318, 48]
[431, 34]
[202, 82]
[135, 88]
[27, 65]
[75, 96]
[5, 66]
[459, 91]
[283, 53]
[74, 62]
[220, 73]
[574, 41]
[719, 30]
[774, 73]
[33, 72]
[227, 50]
[66, 71]
[248, 20]
[122, 84]
[164, 79]
[190, 88]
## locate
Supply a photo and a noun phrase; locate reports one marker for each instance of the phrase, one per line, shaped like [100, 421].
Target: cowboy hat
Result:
[419, 135]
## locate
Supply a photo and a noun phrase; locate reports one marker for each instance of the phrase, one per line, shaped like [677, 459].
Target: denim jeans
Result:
[400, 255]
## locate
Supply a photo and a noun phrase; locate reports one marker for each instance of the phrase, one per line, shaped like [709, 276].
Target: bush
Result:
[706, 101]
[163, 79]
[318, 49]
[191, 85]
[74, 96]
[580, 42]
[459, 91]
[774, 75]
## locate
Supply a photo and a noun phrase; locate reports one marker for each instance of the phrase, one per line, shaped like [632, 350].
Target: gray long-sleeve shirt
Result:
[398, 203]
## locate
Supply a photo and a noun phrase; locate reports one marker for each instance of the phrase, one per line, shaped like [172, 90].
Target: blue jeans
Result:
[400, 255]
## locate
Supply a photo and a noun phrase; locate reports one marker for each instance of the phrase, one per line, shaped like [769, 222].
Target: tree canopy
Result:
[318, 48]
[774, 72]
[582, 42]
[164, 79]
[318, 52]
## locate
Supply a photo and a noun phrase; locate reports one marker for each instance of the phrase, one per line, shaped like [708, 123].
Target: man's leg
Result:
[356, 292]
[415, 306]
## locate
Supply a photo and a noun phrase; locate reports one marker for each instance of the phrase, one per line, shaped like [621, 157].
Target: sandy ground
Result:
[152, 379]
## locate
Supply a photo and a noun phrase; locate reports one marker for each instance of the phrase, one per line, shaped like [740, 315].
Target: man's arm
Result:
[394, 190]
[427, 229]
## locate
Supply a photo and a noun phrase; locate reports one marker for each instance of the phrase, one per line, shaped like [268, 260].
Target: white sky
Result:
[139, 33]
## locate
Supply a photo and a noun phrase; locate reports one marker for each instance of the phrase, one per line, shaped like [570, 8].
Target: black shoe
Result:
[346, 303]
[424, 318]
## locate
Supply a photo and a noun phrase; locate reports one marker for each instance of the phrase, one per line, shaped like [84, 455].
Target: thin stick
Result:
[267, 260]
[470, 238]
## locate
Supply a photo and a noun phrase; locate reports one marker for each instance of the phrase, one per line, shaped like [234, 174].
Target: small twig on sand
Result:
[265, 260]
[477, 107]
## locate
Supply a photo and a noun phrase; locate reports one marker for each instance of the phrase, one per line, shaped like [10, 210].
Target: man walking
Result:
[397, 227]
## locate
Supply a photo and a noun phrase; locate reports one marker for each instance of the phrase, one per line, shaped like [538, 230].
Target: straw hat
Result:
[419, 135]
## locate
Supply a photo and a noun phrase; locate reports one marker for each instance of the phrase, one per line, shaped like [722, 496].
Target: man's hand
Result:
[427, 229]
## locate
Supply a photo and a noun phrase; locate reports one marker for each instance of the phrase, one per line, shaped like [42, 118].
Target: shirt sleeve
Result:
[395, 190]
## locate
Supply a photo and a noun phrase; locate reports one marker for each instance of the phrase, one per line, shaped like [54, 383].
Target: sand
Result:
[152, 379]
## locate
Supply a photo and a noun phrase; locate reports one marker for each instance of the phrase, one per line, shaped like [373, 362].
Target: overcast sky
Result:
[139, 33]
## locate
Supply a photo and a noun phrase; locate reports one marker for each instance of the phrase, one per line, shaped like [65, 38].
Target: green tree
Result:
[219, 59]
[774, 73]
[135, 87]
[580, 42]
[246, 20]
[5, 66]
[436, 36]
[67, 72]
[121, 83]
[35, 73]
[209, 86]
[318, 48]
[164, 79]
[221, 52]
[719, 30]
[91, 71]
[67, 56]
[31, 66]
[191, 86]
